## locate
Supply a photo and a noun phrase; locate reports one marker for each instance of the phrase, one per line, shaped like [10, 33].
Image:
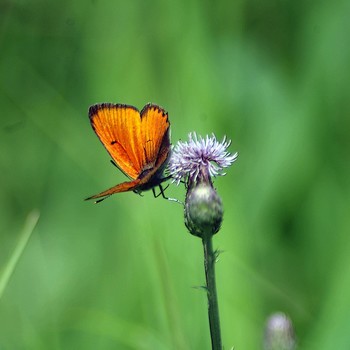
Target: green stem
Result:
[213, 307]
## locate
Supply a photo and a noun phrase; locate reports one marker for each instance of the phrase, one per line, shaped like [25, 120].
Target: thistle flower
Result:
[195, 162]
[199, 157]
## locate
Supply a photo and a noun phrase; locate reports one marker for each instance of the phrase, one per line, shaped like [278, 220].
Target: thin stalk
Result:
[213, 307]
[28, 229]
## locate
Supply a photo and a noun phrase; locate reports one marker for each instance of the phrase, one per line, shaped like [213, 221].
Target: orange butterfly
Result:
[138, 142]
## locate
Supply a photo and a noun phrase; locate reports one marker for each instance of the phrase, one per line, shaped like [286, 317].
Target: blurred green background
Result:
[271, 75]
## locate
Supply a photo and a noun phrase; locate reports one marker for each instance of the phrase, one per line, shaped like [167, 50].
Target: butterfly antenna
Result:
[114, 163]
[101, 199]
[167, 177]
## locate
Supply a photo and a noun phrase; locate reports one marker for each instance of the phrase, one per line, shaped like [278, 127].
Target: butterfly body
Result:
[138, 142]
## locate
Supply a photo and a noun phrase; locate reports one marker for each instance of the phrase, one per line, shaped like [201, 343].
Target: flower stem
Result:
[213, 307]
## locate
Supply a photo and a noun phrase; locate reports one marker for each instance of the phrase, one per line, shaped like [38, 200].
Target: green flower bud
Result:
[203, 210]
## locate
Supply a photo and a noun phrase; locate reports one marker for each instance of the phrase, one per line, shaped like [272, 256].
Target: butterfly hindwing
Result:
[154, 131]
[123, 187]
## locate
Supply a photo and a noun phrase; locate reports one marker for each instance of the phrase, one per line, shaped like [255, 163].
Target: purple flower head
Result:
[189, 158]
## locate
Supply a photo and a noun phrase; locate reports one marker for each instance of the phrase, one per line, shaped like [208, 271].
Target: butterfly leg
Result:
[163, 195]
[138, 192]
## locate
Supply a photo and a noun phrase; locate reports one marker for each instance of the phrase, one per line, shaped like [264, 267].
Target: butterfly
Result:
[138, 142]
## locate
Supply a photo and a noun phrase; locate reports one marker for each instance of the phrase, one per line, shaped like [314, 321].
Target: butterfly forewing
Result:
[118, 127]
